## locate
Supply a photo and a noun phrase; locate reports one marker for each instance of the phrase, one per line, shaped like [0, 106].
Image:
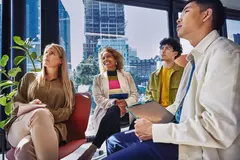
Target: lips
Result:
[179, 26]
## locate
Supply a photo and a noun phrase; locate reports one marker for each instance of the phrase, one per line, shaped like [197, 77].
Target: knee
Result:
[42, 115]
[112, 143]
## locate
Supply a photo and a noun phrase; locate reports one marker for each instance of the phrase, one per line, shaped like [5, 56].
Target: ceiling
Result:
[233, 4]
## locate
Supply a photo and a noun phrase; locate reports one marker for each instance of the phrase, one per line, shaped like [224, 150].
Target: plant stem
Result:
[28, 54]
[7, 76]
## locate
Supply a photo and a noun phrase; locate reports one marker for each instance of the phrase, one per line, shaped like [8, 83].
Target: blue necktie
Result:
[179, 111]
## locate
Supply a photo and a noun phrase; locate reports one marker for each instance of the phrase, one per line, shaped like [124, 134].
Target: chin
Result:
[180, 35]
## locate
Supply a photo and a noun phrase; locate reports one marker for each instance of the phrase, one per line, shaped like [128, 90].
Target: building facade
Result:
[64, 32]
[101, 21]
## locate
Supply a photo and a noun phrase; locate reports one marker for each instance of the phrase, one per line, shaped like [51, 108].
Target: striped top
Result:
[114, 85]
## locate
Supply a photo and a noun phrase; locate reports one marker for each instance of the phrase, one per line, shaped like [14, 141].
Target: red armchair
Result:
[76, 126]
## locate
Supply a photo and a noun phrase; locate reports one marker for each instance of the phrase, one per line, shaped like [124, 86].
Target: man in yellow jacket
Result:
[163, 83]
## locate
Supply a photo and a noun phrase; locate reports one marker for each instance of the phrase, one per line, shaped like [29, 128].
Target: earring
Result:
[116, 63]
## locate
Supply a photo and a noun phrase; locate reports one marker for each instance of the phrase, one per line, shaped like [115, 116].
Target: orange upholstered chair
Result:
[76, 125]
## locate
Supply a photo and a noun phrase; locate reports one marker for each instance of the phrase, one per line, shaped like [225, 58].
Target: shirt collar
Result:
[203, 45]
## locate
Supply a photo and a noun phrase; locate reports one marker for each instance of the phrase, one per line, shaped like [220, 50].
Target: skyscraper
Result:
[64, 32]
[101, 21]
[236, 38]
[33, 29]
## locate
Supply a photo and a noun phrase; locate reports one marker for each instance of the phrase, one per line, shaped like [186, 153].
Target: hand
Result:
[143, 129]
[121, 103]
[122, 106]
[35, 101]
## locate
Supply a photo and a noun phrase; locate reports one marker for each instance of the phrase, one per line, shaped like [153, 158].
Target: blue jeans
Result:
[123, 146]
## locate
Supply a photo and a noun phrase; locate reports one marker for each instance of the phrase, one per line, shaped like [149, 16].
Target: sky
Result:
[144, 31]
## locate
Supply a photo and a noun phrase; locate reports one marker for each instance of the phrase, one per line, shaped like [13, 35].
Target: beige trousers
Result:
[34, 137]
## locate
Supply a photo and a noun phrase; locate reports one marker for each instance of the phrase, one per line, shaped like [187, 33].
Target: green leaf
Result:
[2, 71]
[18, 40]
[33, 55]
[10, 95]
[37, 70]
[4, 60]
[2, 123]
[8, 108]
[13, 72]
[40, 58]
[18, 48]
[18, 60]
[3, 100]
[5, 83]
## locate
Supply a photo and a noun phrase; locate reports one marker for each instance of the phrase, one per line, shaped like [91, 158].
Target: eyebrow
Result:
[186, 8]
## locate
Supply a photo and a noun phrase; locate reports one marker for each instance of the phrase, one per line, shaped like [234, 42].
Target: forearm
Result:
[61, 114]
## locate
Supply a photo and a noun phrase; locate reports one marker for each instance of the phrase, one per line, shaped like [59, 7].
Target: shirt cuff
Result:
[162, 133]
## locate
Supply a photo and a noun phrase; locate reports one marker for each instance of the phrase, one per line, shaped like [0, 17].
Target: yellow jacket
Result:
[153, 90]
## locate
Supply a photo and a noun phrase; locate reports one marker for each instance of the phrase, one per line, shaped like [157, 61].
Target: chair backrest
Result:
[78, 121]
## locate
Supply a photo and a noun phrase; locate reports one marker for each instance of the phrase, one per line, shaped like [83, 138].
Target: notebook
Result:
[118, 96]
[152, 111]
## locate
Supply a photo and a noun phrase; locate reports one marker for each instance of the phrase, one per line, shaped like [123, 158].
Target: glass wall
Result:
[33, 24]
[233, 30]
[87, 26]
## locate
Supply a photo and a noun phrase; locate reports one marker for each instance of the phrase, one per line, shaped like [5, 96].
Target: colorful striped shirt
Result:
[114, 85]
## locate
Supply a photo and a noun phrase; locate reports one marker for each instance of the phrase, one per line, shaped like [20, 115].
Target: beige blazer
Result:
[101, 94]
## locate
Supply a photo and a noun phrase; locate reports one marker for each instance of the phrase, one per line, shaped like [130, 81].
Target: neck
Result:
[198, 36]
[111, 69]
[167, 64]
[52, 73]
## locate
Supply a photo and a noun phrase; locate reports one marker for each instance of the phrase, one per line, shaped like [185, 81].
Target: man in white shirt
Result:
[207, 106]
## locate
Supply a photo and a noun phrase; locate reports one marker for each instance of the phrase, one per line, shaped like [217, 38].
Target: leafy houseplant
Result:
[8, 87]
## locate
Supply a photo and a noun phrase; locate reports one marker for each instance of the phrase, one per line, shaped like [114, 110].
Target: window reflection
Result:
[233, 30]
[33, 25]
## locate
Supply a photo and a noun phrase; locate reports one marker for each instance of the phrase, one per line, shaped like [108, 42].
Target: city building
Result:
[143, 68]
[236, 38]
[64, 32]
[101, 21]
[33, 29]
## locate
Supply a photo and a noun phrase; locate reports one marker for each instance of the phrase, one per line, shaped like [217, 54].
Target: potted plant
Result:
[8, 87]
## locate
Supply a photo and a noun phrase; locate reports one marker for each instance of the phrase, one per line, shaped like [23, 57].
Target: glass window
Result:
[233, 30]
[33, 25]
[136, 37]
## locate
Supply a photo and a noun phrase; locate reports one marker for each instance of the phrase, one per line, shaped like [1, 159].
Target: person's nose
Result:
[179, 20]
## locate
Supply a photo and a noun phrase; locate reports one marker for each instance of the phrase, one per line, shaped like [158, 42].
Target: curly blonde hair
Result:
[117, 56]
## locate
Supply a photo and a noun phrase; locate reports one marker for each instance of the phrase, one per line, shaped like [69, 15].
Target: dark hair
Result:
[174, 43]
[218, 11]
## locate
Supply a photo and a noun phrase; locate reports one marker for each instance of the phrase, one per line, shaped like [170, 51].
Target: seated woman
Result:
[108, 112]
[36, 130]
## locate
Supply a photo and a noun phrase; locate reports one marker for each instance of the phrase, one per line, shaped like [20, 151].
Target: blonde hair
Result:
[62, 74]
[117, 56]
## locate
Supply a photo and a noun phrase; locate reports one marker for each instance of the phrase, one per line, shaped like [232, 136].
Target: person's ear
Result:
[207, 14]
[175, 54]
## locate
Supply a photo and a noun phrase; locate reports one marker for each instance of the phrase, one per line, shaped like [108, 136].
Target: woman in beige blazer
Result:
[108, 113]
